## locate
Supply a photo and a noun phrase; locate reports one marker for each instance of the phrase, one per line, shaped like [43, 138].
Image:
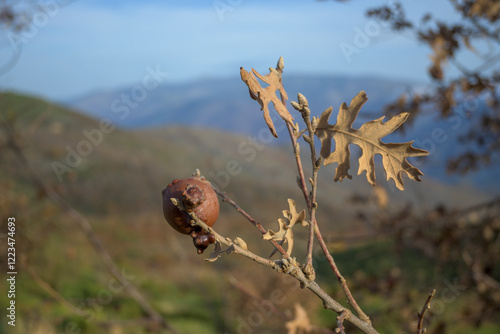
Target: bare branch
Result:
[47, 288]
[303, 107]
[421, 314]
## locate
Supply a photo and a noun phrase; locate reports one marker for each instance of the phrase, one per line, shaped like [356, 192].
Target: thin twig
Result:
[341, 279]
[298, 161]
[340, 321]
[255, 223]
[47, 288]
[302, 185]
[421, 314]
[303, 107]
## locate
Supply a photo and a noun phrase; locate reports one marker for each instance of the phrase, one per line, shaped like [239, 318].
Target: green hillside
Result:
[115, 177]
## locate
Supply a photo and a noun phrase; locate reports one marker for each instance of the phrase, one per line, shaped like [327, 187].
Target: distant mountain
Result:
[224, 104]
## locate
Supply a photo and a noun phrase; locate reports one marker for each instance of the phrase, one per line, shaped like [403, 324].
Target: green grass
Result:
[379, 258]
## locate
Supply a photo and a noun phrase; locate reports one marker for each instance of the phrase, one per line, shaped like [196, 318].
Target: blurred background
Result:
[103, 104]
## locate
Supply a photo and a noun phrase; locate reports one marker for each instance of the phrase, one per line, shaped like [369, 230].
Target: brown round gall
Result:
[197, 194]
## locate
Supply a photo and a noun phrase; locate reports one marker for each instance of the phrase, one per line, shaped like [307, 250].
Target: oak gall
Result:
[197, 195]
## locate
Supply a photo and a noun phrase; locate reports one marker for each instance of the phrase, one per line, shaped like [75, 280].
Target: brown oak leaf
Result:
[268, 94]
[368, 138]
[285, 232]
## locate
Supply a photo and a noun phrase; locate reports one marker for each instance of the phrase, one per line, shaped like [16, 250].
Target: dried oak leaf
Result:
[285, 232]
[368, 138]
[268, 94]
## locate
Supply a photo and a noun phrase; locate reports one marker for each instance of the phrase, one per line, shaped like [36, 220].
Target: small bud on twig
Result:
[281, 64]
[296, 106]
[309, 272]
[302, 100]
[240, 242]
[314, 123]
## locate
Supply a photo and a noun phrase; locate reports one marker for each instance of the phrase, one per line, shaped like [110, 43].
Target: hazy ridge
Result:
[224, 104]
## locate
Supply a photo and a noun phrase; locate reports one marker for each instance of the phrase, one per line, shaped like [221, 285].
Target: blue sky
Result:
[85, 46]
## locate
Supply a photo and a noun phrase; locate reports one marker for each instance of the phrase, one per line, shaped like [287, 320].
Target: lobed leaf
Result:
[268, 94]
[285, 232]
[368, 138]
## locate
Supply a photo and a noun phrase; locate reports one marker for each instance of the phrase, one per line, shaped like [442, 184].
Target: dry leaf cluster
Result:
[285, 232]
[368, 137]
